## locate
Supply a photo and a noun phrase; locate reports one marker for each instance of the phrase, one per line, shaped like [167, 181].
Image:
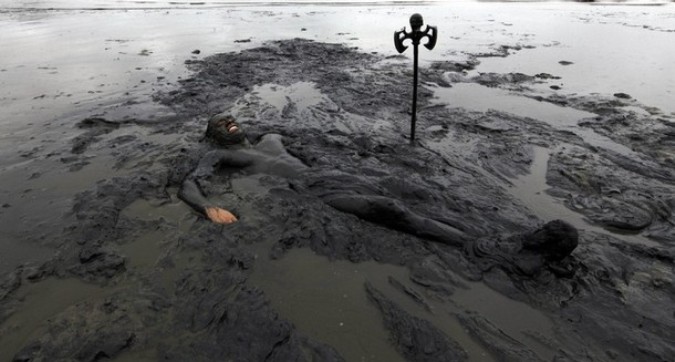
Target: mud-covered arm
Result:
[192, 194]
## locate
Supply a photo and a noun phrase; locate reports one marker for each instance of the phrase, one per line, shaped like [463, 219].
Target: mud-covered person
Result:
[233, 150]
[347, 193]
[524, 254]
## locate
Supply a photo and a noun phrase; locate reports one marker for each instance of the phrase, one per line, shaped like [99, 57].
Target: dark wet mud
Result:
[298, 278]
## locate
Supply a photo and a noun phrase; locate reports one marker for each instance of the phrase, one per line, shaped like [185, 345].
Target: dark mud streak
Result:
[613, 193]
[416, 339]
[652, 134]
[495, 340]
[607, 299]
[94, 127]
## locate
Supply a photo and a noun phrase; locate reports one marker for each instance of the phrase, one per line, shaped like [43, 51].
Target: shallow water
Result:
[302, 95]
[613, 49]
[531, 188]
[27, 323]
[479, 98]
[327, 300]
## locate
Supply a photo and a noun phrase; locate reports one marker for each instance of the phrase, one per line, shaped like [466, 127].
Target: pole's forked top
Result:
[416, 34]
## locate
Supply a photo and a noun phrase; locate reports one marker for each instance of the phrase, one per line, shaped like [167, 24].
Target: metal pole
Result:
[414, 104]
[415, 35]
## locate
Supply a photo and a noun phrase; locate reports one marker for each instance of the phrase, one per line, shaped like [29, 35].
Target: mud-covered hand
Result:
[219, 216]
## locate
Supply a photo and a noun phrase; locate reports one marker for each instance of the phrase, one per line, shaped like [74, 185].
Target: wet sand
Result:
[529, 113]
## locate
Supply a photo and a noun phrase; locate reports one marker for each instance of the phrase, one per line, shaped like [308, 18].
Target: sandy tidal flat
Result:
[529, 112]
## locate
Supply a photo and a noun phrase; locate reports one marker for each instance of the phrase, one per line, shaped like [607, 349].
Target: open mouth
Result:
[232, 128]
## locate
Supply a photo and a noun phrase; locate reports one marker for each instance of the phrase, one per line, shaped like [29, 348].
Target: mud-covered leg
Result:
[393, 214]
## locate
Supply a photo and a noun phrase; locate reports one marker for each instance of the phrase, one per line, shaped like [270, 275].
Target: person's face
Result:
[231, 127]
[227, 132]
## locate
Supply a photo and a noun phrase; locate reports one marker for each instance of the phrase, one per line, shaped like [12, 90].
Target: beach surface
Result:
[527, 113]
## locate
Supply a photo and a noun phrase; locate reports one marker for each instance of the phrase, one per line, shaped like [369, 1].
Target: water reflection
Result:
[476, 97]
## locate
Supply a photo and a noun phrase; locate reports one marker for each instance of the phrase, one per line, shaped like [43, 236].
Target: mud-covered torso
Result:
[283, 165]
[268, 156]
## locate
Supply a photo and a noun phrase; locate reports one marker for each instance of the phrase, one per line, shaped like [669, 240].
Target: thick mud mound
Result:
[170, 285]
